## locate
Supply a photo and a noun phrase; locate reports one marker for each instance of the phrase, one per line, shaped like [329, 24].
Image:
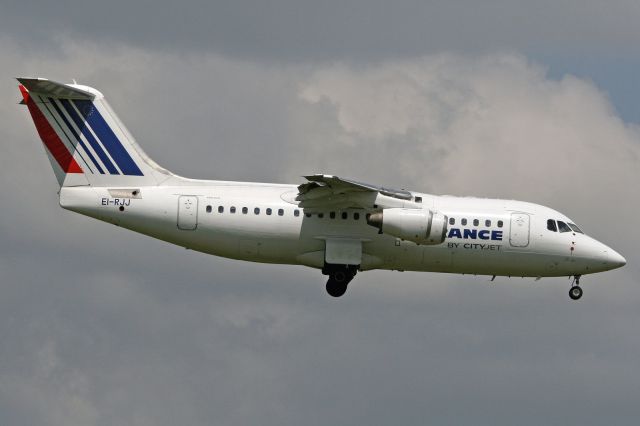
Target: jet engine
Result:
[419, 226]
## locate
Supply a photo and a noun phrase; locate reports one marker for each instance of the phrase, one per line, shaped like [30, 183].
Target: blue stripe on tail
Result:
[87, 134]
[75, 134]
[108, 138]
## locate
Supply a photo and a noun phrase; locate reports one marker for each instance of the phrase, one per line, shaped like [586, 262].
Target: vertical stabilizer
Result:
[86, 142]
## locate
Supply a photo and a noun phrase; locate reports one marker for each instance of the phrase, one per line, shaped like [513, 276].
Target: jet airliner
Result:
[339, 226]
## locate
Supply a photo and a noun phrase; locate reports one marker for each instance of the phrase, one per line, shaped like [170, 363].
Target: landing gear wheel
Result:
[575, 292]
[336, 288]
[339, 278]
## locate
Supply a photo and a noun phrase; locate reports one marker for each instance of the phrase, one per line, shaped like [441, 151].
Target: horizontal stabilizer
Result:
[54, 89]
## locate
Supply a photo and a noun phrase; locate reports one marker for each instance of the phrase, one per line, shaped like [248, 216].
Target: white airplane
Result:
[337, 225]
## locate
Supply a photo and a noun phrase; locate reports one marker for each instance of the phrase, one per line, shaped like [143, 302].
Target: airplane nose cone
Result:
[616, 259]
[602, 258]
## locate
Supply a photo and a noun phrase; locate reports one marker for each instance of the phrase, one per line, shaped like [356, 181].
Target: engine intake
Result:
[419, 226]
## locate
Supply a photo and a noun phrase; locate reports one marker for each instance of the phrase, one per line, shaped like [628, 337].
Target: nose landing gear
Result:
[575, 292]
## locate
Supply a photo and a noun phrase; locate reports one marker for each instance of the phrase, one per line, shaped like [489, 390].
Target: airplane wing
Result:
[328, 191]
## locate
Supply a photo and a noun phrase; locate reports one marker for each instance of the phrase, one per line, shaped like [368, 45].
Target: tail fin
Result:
[84, 139]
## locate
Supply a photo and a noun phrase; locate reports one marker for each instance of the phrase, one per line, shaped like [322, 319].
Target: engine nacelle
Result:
[419, 226]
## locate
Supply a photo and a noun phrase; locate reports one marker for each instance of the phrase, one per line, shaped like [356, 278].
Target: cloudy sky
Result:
[528, 100]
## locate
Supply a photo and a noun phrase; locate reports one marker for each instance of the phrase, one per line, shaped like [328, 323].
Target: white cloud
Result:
[494, 125]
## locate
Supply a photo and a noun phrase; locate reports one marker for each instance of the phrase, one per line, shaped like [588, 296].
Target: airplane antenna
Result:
[74, 81]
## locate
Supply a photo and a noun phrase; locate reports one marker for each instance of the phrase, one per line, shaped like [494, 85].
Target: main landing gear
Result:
[339, 278]
[575, 292]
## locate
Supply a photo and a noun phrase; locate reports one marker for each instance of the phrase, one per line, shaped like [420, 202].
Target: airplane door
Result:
[187, 212]
[519, 232]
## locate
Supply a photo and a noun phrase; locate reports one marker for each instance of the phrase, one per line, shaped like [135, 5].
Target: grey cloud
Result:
[102, 326]
[294, 30]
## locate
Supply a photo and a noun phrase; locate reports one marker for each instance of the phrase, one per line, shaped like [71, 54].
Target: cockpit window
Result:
[551, 225]
[563, 227]
[575, 228]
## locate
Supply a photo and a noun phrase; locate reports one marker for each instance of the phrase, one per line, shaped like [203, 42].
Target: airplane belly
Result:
[525, 263]
[249, 248]
[470, 258]
[396, 254]
[437, 258]
[478, 259]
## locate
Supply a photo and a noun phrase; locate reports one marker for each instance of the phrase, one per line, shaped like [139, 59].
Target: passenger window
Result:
[307, 214]
[452, 221]
[356, 216]
[269, 211]
[320, 215]
[208, 209]
[280, 212]
[296, 213]
[551, 225]
[344, 215]
[563, 227]
[220, 209]
[232, 209]
[245, 210]
[418, 199]
[575, 228]
[476, 222]
[256, 210]
[500, 224]
[463, 222]
[332, 215]
[487, 223]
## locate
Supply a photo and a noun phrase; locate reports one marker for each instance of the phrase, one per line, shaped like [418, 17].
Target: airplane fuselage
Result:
[263, 223]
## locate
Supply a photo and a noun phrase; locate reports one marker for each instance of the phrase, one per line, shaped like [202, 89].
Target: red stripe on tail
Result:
[49, 136]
